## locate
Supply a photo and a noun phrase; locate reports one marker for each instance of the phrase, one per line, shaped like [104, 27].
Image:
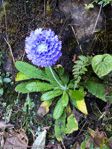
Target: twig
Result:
[25, 5]
[44, 8]
[63, 145]
[9, 116]
[97, 18]
[7, 39]
[5, 18]
[10, 50]
[76, 39]
[81, 129]
[23, 56]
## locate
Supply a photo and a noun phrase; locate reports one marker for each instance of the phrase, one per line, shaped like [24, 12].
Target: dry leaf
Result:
[46, 128]
[44, 107]
[88, 145]
[42, 111]
[39, 142]
[3, 125]
[14, 139]
[98, 138]
[59, 146]
[75, 146]
[74, 58]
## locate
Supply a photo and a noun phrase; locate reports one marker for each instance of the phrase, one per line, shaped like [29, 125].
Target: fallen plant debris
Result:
[40, 140]
[4, 125]
[11, 138]
[98, 139]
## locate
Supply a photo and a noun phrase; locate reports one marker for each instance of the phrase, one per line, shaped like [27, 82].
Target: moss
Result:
[72, 45]
[103, 39]
[49, 10]
[6, 5]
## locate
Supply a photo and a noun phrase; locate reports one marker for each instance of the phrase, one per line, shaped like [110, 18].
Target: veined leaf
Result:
[60, 127]
[21, 88]
[20, 76]
[78, 100]
[51, 94]
[96, 89]
[76, 94]
[61, 104]
[64, 99]
[72, 124]
[44, 107]
[102, 64]
[37, 86]
[33, 86]
[30, 71]
[58, 111]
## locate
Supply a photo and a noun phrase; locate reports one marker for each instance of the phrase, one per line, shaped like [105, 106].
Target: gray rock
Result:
[83, 21]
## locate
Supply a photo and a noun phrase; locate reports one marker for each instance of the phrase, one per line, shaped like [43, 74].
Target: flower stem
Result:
[63, 87]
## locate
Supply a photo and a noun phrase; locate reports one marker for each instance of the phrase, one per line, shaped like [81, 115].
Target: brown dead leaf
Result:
[74, 58]
[14, 139]
[45, 128]
[59, 146]
[98, 138]
[42, 111]
[44, 107]
[75, 146]
[3, 125]
[88, 145]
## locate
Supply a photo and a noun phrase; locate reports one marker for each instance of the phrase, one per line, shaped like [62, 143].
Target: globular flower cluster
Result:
[43, 47]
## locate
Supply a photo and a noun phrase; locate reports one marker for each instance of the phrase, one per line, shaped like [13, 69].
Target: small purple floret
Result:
[43, 47]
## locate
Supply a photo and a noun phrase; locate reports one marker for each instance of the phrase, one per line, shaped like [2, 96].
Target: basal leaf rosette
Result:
[43, 47]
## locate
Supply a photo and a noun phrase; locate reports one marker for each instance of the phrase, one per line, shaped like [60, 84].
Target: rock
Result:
[82, 22]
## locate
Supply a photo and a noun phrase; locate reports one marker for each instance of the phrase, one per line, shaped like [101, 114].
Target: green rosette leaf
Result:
[60, 127]
[61, 104]
[33, 86]
[21, 76]
[30, 71]
[78, 100]
[51, 94]
[72, 124]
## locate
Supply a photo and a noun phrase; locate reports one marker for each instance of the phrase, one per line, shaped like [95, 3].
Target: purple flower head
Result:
[43, 47]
